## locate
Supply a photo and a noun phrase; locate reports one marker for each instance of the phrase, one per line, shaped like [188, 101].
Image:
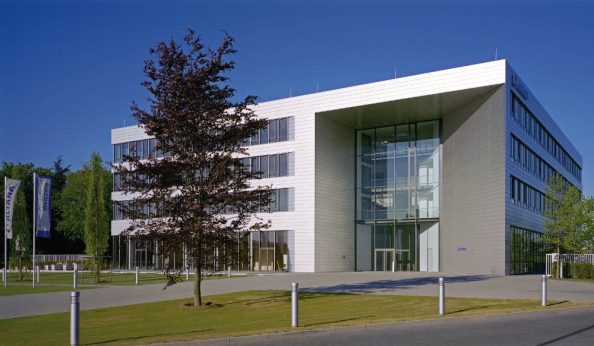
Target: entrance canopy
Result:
[415, 109]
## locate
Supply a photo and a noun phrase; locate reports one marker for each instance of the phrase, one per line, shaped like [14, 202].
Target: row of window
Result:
[266, 166]
[270, 166]
[141, 149]
[536, 130]
[530, 161]
[281, 200]
[528, 197]
[527, 254]
[278, 130]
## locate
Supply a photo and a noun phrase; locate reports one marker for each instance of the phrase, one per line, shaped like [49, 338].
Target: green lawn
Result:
[85, 278]
[243, 313]
[14, 289]
[62, 281]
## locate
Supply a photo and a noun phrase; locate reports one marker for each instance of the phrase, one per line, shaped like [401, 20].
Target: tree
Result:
[587, 212]
[199, 194]
[69, 203]
[562, 228]
[73, 196]
[96, 223]
[21, 245]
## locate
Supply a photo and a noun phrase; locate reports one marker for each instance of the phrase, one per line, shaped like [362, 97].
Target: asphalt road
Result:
[552, 327]
[406, 283]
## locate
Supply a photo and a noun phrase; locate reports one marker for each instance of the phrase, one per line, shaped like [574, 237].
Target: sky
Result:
[69, 70]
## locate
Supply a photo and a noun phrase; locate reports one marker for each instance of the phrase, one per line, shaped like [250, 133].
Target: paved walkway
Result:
[551, 327]
[479, 286]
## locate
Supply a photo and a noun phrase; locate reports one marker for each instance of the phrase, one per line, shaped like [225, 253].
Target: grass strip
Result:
[244, 313]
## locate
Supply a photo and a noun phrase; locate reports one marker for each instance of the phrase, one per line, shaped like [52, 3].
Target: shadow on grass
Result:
[337, 321]
[283, 296]
[121, 340]
[467, 309]
[380, 286]
[557, 303]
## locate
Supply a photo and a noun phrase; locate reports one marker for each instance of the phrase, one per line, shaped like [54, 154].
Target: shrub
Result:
[582, 271]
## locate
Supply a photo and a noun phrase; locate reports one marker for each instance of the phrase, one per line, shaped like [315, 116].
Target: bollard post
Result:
[4, 276]
[75, 278]
[543, 298]
[137, 275]
[441, 297]
[187, 274]
[38, 272]
[229, 271]
[74, 318]
[560, 270]
[295, 305]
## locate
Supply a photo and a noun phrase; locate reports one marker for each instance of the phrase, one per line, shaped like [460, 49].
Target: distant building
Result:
[441, 171]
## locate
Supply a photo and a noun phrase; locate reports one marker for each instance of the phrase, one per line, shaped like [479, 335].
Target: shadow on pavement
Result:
[553, 341]
[390, 285]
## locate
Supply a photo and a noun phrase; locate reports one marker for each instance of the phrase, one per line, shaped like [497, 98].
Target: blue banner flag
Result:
[43, 208]
[11, 188]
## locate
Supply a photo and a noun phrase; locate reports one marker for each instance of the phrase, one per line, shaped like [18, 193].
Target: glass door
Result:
[384, 260]
[140, 258]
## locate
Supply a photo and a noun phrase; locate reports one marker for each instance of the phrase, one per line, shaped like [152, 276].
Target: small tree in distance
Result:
[199, 193]
[96, 222]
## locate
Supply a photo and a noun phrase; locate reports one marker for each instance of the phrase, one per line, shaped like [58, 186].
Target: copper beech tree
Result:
[197, 192]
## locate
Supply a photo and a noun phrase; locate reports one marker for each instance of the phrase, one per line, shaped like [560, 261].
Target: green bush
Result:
[582, 271]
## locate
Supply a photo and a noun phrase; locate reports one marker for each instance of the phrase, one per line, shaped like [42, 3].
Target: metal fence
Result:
[61, 258]
[566, 258]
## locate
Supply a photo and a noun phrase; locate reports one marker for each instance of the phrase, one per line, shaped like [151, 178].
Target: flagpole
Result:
[34, 221]
[5, 228]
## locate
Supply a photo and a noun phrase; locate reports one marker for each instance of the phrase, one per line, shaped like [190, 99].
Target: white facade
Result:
[323, 220]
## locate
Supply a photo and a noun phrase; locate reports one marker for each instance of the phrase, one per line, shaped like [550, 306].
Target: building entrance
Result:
[384, 260]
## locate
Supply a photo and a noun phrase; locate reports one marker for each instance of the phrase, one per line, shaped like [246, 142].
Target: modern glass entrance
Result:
[384, 260]
[270, 251]
[397, 197]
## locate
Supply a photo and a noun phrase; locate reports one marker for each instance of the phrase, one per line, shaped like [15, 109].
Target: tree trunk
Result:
[198, 284]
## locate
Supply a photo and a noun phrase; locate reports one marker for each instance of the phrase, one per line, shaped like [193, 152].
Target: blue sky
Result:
[70, 70]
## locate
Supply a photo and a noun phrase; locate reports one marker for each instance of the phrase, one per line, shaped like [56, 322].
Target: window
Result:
[527, 196]
[270, 166]
[264, 166]
[264, 135]
[278, 130]
[117, 153]
[542, 136]
[117, 182]
[283, 130]
[152, 147]
[273, 130]
[526, 251]
[283, 165]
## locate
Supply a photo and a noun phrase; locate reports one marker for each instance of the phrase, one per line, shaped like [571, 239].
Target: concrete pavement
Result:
[406, 283]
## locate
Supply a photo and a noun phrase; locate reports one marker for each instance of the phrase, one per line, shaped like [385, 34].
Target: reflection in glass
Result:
[398, 172]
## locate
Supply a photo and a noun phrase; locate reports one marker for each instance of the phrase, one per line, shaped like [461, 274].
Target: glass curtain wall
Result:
[270, 251]
[527, 255]
[397, 188]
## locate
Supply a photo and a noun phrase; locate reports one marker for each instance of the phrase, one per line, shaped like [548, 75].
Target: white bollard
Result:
[441, 297]
[229, 271]
[187, 274]
[4, 276]
[74, 318]
[75, 278]
[38, 272]
[560, 270]
[543, 299]
[295, 305]
[137, 275]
